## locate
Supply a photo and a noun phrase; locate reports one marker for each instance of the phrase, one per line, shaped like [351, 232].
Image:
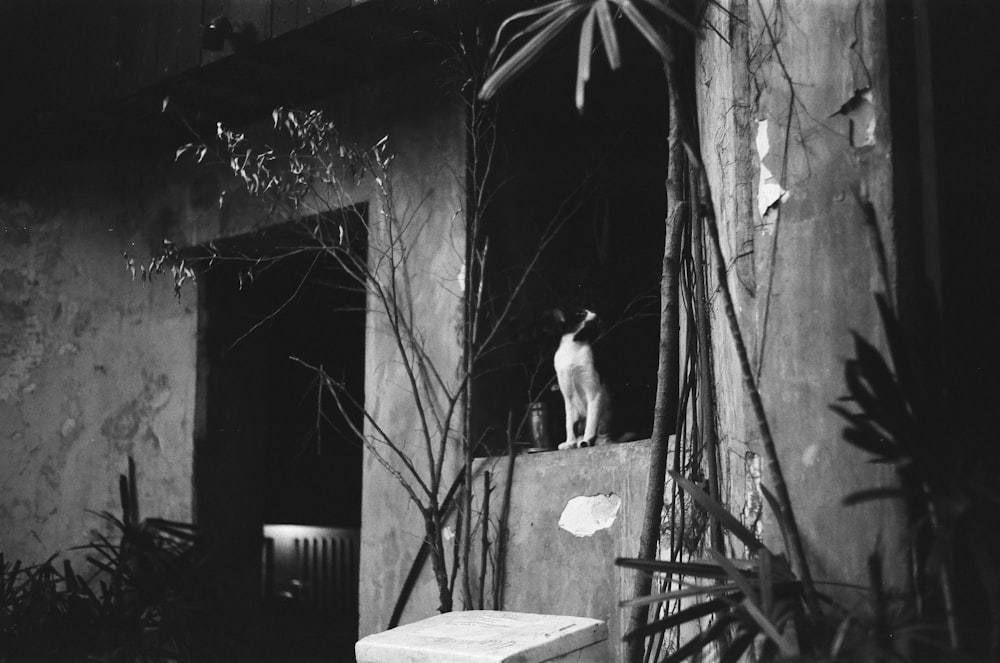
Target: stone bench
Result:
[488, 636]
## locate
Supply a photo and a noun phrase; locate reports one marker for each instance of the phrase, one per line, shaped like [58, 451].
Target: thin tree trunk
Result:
[485, 543]
[706, 384]
[438, 563]
[665, 410]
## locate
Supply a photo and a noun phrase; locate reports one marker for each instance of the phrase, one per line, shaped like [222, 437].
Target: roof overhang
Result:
[347, 48]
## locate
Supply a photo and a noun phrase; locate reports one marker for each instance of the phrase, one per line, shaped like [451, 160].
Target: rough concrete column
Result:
[794, 114]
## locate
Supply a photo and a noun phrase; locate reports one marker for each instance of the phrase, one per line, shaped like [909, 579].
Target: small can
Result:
[538, 417]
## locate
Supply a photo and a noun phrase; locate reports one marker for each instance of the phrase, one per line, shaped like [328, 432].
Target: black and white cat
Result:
[588, 405]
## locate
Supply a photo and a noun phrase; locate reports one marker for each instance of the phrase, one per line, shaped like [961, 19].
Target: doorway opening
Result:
[278, 312]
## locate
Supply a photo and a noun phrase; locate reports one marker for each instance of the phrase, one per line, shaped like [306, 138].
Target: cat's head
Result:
[581, 322]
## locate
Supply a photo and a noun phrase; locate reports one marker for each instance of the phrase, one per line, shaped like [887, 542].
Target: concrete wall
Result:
[572, 513]
[426, 127]
[93, 366]
[788, 170]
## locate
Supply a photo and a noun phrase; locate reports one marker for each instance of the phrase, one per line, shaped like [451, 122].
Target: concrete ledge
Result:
[572, 512]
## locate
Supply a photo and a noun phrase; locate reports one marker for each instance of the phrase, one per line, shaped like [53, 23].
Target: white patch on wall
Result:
[769, 191]
[585, 515]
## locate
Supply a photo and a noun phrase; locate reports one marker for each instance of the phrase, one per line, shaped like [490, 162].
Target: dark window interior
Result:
[597, 179]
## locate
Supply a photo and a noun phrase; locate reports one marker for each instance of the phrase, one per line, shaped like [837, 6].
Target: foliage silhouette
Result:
[149, 598]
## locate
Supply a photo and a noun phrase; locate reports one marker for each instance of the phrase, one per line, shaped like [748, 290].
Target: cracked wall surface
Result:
[93, 366]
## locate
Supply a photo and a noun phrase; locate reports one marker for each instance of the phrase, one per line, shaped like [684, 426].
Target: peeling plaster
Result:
[810, 454]
[753, 503]
[583, 516]
[769, 190]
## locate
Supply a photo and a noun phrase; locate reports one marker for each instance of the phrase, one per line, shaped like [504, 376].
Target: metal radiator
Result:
[315, 568]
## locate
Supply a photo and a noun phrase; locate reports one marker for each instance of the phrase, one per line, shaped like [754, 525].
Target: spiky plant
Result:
[734, 606]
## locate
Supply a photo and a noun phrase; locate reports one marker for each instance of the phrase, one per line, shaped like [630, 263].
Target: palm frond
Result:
[719, 512]
[529, 53]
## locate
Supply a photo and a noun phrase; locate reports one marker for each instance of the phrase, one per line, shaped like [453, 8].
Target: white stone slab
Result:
[482, 636]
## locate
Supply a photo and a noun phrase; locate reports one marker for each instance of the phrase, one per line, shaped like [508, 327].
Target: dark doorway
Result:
[275, 447]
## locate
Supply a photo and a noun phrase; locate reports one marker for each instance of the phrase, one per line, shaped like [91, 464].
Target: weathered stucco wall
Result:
[93, 366]
[789, 171]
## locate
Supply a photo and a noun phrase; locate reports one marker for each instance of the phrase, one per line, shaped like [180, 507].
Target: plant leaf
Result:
[786, 646]
[686, 615]
[692, 569]
[608, 35]
[738, 645]
[702, 640]
[868, 439]
[126, 502]
[896, 341]
[766, 580]
[69, 577]
[878, 375]
[548, 12]
[527, 54]
[839, 636]
[583, 56]
[719, 512]
[734, 574]
[133, 494]
[646, 29]
[707, 590]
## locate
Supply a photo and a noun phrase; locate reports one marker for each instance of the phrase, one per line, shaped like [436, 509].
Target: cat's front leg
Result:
[594, 424]
[572, 442]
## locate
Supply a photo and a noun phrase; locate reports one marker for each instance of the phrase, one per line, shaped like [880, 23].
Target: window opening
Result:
[596, 181]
